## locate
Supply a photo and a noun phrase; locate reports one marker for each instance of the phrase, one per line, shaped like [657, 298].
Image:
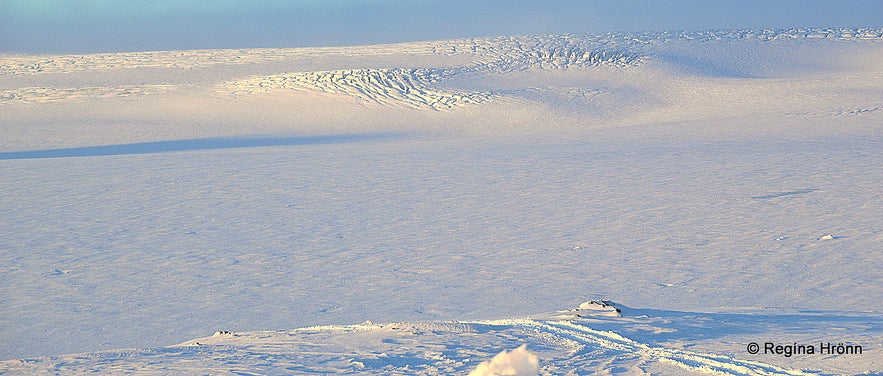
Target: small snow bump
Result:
[599, 305]
[518, 362]
[592, 308]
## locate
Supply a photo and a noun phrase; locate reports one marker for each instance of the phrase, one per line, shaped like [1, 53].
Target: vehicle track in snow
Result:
[620, 347]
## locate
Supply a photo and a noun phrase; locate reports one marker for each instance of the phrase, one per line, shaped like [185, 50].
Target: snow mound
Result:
[518, 362]
[397, 86]
[588, 309]
[435, 86]
[421, 87]
[509, 54]
[599, 306]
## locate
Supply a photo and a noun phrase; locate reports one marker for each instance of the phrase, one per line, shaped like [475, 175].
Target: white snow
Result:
[722, 187]
[518, 362]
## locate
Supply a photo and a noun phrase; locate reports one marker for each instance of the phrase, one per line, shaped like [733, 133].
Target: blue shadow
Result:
[190, 145]
[699, 325]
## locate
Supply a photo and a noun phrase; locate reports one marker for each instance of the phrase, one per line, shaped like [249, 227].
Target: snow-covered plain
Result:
[419, 208]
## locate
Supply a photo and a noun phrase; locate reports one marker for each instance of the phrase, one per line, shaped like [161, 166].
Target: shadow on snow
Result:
[189, 145]
[703, 326]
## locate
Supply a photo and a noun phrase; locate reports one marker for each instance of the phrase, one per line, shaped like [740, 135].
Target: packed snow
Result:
[559, 204]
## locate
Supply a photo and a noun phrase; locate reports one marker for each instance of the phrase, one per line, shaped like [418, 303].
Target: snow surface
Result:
[518, 362]
[462, 195]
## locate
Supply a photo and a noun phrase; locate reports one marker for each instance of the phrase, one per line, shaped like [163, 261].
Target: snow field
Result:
[724, 181]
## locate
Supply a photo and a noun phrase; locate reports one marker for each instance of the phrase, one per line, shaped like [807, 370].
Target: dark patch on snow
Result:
[782, 194]
[189, 145]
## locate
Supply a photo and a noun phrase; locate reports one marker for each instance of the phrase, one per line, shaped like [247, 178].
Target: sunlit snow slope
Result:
[723, 183]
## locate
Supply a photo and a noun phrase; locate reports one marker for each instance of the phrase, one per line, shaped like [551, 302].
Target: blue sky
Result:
[84, 26]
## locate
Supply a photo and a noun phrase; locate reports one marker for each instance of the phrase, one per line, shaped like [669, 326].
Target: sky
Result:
[89, 26]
